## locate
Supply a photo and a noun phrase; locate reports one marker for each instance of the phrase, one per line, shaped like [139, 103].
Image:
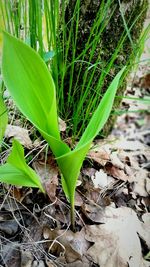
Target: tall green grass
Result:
[77, 60]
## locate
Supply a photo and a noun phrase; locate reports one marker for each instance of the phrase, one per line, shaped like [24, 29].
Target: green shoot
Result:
[31, 86]
[3, 115]
[17, 172]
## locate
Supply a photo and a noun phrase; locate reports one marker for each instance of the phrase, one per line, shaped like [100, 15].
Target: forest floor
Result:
[112, 204]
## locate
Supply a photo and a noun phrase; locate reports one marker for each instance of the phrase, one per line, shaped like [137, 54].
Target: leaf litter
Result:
[117, 242]
[20, 134]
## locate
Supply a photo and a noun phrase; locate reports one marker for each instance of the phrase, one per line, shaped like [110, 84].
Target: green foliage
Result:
[32, 88]
[80, 43]
[3, 118]
[16, 171]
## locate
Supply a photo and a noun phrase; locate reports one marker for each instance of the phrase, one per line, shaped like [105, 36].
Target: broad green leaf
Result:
[11, 175]
[16, 171]
[71, 163]
[35, 86]
[3, 118]
[30, 84]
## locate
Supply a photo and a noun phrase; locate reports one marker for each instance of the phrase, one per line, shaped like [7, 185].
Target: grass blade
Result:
[71, 163]
[3, 118]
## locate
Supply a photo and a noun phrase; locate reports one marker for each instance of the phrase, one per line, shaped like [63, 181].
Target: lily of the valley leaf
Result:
[17, 172]
[31, 86]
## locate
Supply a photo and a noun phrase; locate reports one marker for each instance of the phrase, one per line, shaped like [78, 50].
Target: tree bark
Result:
[134, 11]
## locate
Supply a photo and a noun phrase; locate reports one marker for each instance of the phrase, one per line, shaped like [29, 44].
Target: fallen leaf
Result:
[49, 263]
[145, 232]
[99, 155]
[141, 183]
[100, 179]
[94, 212]
[38, 263]
[147, 185]
[17, 193]
[116, 173]
[78, 199]
[51, 186]
[116, 243]
[144, 81]
[10, 254]
[89, 171]
[93, 194]
[48, 173]
[62, 125]
[72, 245]
[26, 258]
[128, 145]
[9, 227]
[21, 134]
[129, 158]
[83, 263]
[115, 160]
[62, 213]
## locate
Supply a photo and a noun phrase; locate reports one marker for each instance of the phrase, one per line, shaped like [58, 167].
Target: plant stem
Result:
[72, 217]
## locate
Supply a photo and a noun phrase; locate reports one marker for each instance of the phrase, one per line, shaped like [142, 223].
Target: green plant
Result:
[81, 46]
[92, 50]
[3, 114]
[17, 172]
[33, 90]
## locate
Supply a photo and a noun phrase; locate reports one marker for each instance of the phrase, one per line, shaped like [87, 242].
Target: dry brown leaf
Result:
[129, 158]
[61, 213]
[48, 173]
[72, 245]
[116, 173]
[83, 263]
[128, 145]
[141, 183]
[9, 227]
[10, 254]
[26, 258]
[93, 194]
[78, 199]
[94, 212]
[115, 160]
[100, 179]
[17, 193]
[49, 263]
[145, 233]
[89, 172]
[62, 125]
[51, 186]
[39, 263]
[21, 134]
[99, 155]
[147, 185]
[145, 81]
[116, 243]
